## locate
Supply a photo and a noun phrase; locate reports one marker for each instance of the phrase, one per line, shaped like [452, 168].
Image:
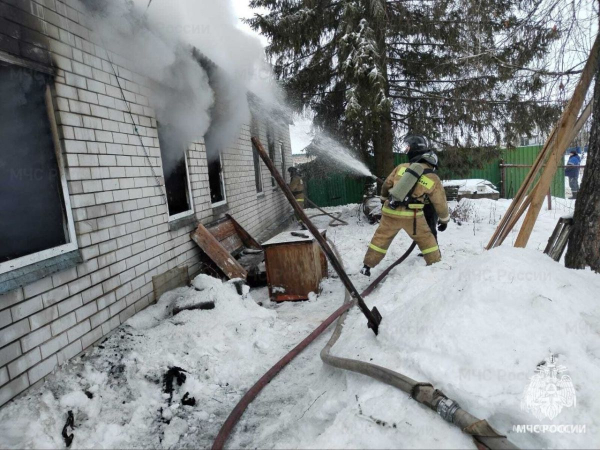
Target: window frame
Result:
[190, 211]
[282, 154]
[222, 178]
[33, 258]
[258, 180]
[271, 133]
[163, 187]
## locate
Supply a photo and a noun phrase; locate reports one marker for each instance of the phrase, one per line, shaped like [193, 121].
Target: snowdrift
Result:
[478, 332]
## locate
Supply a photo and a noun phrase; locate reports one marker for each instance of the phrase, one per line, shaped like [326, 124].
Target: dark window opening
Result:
[271, 146]
[32, 211]
[256, 158]
[215, 174]
[173, 155]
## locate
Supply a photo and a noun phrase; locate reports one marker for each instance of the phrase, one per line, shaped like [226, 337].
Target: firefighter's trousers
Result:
[389, 228]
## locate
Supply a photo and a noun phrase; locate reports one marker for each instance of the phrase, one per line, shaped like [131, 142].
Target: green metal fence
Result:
[514, 176]
[342, 189]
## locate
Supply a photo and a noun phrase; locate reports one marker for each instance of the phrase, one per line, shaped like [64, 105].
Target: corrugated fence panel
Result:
[514, 176]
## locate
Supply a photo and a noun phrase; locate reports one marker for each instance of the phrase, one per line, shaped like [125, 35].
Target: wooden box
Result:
[295, 265]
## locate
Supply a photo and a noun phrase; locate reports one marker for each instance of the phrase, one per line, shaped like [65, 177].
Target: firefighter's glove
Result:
[442, 226]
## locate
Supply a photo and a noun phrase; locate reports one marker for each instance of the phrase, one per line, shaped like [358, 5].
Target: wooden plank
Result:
[232, 243]
[171, 279]
[565, 127]
[215, 251]
[515, 217]
[246, 238]
[222, 230]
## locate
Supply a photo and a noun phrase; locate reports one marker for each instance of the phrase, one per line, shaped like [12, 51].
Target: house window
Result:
[216, 182]
[35, 213]
[282, 153]
[256, 158]
[271, 146]
[175, 170]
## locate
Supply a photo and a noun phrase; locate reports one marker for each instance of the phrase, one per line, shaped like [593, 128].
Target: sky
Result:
[242, 10]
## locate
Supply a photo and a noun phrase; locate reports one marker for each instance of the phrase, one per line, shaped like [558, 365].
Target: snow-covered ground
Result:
[476, 325]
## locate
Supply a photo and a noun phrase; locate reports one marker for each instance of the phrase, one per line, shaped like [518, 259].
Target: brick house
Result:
[86, 216]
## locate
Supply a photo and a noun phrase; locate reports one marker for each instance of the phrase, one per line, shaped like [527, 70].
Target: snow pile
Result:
[116, 392]
[478, 332]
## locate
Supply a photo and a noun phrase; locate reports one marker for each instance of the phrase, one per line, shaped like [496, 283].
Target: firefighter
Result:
[407, 214]
[296, 185]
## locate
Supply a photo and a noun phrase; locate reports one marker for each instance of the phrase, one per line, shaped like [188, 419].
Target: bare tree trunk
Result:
[584, 242]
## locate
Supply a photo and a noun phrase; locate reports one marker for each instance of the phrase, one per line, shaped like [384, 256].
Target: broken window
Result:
[174, 162]
[216, 182]
[35, 218]
[256, 158]
[271, 146]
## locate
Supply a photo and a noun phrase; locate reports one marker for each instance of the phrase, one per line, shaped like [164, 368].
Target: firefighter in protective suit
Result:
[407, 213]
[296, 186]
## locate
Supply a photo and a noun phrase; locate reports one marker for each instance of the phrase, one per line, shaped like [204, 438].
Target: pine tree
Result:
[456, 71]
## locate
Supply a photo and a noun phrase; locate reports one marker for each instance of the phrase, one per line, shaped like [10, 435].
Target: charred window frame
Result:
[36, 221]
[256, 159]
[271, 145]
[216, 180]
[282, 153]
[173, 153]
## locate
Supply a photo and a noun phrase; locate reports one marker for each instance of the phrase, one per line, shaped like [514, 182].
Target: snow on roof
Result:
[471, 186]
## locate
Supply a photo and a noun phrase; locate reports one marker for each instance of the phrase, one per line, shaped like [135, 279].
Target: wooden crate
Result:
[295, 266]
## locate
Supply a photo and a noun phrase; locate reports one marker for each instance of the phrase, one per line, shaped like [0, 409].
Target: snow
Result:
[290, 237]
[474, 325]
[472, 186]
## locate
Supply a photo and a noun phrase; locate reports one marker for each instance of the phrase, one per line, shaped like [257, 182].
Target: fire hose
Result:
[245, 401]
[485, 436]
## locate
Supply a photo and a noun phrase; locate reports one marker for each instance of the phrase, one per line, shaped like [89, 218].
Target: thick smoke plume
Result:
[202, 65]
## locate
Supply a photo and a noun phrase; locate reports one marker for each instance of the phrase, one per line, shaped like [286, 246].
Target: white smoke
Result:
[157, 42]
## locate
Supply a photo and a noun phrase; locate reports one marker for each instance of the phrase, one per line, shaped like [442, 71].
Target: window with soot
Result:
[175, 169]
[35, 217]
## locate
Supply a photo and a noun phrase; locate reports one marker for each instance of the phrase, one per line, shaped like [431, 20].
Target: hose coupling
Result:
[447, 408]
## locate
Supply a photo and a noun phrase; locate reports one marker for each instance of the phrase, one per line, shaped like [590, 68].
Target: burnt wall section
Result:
[112, 159]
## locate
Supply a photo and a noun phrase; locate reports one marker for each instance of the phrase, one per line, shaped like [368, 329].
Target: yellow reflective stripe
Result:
[430, 250]
[377, 249]
[299, 199]
[426, 182]
[393, 212]
[416, 206]
[401, 171]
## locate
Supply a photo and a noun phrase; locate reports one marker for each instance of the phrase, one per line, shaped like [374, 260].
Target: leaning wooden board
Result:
[222, 258]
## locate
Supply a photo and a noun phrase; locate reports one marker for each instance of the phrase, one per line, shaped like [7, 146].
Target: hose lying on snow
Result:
[424, 393]
[249, 396]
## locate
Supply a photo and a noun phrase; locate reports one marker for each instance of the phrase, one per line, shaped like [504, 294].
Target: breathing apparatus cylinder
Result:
[403, 188]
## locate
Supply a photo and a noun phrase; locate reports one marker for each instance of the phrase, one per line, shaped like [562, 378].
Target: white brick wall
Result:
[120, 216]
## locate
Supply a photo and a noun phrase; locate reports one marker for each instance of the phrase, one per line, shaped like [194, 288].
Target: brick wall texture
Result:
[120, 217]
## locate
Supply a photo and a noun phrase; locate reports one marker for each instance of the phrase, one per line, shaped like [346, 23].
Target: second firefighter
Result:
[405, 193]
